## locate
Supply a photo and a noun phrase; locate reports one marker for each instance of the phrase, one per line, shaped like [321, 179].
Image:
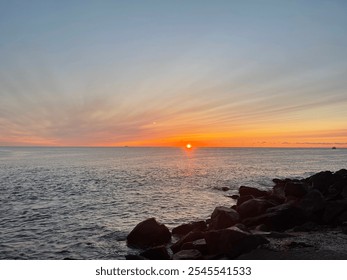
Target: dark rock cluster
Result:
[292, 205]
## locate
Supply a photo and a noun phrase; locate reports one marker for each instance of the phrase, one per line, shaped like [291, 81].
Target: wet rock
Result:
[191, 254]
[156, 253]
[186, 228]
[295, 188]
[225, 189]
[232, 241]
[223, 217]
[253, 207]
[190, 237]
[243, 190]
[235, 196]
[148, 233]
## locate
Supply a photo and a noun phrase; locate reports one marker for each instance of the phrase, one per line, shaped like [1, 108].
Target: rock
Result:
[156, 253]
[235, 196]
[191, 254]
[243, 190]
[332, 210]
[148, 233]
[342, 218]
[253, 207]
[297, 189]
[342, 173]
[190, 237]
[279, 218]
[276, 200]
[199, 244]
[241, 227]
[225, 189]
[223, 217]
[278, 189]
[232, 241]
[306, 227]
[244, 198]
[313, 204]
[322, 180]
[344, 227]
[186, 228]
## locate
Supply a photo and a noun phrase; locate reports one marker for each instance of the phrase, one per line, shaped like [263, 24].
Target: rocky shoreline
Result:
[296, 219]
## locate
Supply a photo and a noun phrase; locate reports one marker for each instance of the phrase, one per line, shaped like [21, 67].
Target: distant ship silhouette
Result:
[334, 148]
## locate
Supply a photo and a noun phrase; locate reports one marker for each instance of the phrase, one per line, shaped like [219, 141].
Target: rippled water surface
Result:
[81, 203]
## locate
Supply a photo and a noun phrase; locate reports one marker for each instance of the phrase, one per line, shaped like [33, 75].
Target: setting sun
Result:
[188, 146]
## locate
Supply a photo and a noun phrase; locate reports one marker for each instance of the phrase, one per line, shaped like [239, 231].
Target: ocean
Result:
[80, 203]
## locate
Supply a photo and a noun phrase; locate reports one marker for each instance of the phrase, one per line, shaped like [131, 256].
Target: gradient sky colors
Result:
[163, 73]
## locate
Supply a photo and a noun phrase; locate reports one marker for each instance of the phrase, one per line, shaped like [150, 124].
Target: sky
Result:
[165, 73]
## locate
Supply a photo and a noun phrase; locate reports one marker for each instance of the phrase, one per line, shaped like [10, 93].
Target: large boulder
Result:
[148, 233]
[254, 207]
[313, 204]
[322, 180]
[244, 198]
[186, 228]
[232, 242]
[295, 188]
[223, 217]
[333, 210]
[244, 190]
[279, 218]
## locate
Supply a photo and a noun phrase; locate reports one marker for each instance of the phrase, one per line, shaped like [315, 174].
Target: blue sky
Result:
[215, 73]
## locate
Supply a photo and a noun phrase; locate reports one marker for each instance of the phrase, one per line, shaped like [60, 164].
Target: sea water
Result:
[80, 203]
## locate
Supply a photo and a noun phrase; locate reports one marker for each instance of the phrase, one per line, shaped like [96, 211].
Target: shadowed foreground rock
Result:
[296, 219]
[148, 233]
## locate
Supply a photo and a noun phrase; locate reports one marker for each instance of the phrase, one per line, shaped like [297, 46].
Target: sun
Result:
[189, 146]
